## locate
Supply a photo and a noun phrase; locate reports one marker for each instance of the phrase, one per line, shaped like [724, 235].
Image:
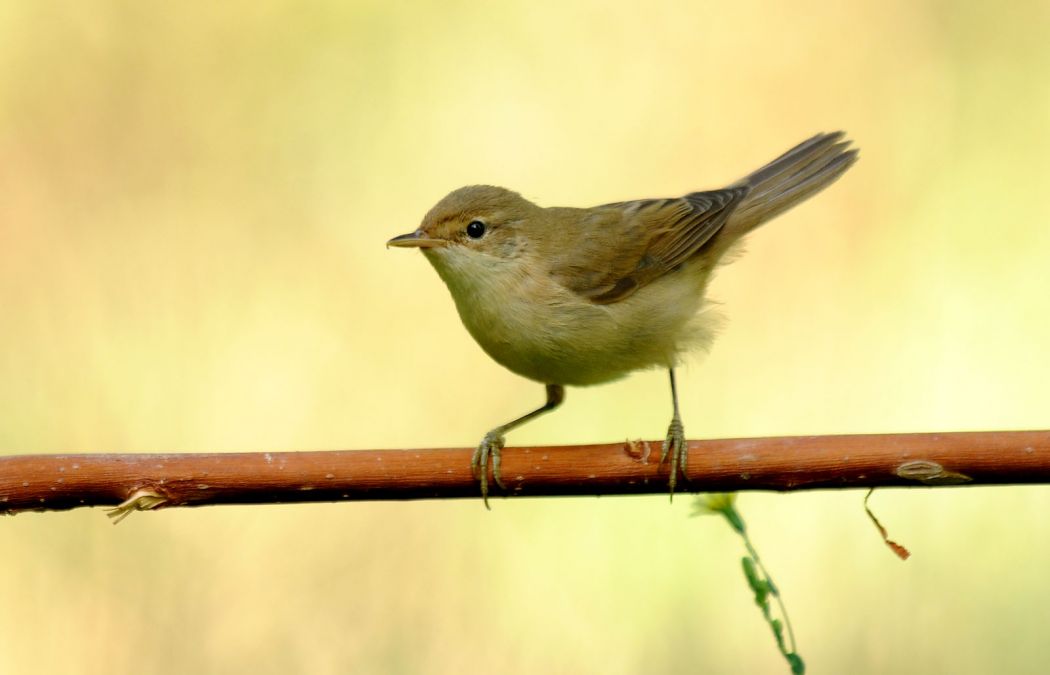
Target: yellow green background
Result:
[193, 204]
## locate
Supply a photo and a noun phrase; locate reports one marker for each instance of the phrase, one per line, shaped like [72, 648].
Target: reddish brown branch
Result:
[53, 482]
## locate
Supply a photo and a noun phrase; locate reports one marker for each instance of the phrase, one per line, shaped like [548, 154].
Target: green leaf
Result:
[757, 583]
[734, 519]
[778, 631]
[750, 571]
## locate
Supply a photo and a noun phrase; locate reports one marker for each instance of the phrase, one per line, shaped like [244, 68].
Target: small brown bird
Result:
[570, 296]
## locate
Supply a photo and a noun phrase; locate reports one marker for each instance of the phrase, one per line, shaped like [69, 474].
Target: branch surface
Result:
[146, 481]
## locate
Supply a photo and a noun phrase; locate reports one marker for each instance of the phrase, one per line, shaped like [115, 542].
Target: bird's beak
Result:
[415, 240]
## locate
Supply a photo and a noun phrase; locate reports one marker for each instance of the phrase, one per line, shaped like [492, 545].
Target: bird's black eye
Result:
[476, 229]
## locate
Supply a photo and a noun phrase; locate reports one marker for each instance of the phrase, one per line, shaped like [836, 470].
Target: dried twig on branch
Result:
[146, 481]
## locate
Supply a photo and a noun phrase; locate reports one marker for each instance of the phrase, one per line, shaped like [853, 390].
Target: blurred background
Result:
[193, 207]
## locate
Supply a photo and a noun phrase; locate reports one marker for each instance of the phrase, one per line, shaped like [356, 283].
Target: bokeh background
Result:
[193, 206]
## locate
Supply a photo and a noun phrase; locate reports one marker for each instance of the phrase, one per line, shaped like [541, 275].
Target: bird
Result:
[583, 296]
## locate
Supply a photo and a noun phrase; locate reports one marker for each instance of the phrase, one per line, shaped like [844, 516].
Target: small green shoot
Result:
[724, 504]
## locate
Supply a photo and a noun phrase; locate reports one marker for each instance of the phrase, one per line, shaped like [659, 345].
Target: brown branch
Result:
[143, 481]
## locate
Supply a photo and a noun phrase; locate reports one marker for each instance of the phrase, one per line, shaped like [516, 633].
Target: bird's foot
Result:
[490, 446]
[674, 446]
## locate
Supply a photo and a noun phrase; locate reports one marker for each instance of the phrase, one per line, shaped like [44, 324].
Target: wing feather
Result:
[653, 237]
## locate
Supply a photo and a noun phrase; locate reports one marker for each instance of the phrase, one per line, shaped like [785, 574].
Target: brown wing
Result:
[651, 237]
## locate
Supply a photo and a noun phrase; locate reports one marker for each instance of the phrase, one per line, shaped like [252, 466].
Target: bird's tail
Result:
[795, 176]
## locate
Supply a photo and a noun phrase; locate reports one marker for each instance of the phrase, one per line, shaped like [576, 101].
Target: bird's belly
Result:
[540, 330]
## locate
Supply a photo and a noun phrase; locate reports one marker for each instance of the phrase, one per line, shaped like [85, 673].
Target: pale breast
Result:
[533, 326]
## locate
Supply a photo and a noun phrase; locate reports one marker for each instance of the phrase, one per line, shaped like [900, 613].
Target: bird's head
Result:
[481, 219]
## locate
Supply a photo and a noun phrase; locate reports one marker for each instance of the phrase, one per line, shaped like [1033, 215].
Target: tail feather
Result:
[793, 177]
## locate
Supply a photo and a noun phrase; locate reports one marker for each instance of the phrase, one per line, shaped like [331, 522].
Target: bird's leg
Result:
[674, 444]
[492, 444]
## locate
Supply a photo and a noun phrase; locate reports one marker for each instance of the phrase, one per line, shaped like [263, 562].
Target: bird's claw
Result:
[490, 446]
[674, 446]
